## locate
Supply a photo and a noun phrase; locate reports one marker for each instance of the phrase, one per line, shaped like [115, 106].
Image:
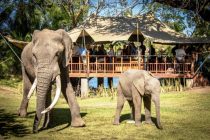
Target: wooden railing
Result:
[113, 66]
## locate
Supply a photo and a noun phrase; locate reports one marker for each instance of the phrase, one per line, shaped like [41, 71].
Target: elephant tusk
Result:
[32, 89]
[57, 95]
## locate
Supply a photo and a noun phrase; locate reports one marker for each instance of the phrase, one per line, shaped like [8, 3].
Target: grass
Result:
[183, 115]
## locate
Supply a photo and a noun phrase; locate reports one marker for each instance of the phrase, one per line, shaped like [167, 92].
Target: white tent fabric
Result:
[109, 29]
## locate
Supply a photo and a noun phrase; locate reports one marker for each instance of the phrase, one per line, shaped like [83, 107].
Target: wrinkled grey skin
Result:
[133, 86]
[45, 57]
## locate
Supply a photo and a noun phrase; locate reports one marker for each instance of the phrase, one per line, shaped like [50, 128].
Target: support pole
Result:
[84, 87]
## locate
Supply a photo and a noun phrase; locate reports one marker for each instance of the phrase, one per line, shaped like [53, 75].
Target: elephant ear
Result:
[139, 85]
[68, 45]
[34, 34]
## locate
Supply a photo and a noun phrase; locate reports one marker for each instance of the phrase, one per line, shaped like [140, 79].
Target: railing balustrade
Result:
[100, 64]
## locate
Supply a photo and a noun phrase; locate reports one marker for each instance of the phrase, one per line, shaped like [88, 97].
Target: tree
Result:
[19, 18]
[199, 7]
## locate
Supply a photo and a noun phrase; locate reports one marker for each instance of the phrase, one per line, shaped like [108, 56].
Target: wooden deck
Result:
[104, 66]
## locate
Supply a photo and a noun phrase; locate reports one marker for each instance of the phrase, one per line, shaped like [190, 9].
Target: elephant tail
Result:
[153, 75]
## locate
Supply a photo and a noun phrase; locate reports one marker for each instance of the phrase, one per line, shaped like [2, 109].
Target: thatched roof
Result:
[109, 29]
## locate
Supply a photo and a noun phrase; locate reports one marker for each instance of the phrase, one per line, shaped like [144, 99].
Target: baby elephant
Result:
[133, 86]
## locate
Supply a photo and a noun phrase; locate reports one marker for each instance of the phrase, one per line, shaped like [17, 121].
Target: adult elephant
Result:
[133, 86]
[45, 61]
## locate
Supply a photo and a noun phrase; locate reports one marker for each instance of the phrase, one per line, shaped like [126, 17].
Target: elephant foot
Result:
[148, 122]
[78, 123]
[45, 126]
[116, 123]
[35, 130]
[159, 126]
[22, 113]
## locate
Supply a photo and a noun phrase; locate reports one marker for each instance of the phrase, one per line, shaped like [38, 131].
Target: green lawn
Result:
[183, 116]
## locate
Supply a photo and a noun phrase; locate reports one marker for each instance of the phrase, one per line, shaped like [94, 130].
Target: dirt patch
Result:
[205, 89]
[6, 90]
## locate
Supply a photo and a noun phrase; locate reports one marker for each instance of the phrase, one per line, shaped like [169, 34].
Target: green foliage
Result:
[174, 18]
[14, 82]
[173, 84]
[20, 18]
[9, 64]
[202, 28]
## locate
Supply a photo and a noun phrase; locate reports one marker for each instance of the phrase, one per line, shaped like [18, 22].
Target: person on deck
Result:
[133, 49]
[180, 54]
[180, 58]
[92, 52]
[101, 52]
[173, 50]
[111, 53]
[142, 48]
[152, 54]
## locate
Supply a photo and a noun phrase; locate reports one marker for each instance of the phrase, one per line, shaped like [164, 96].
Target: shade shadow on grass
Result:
[128, 117]
[9, 126]
[61, 116]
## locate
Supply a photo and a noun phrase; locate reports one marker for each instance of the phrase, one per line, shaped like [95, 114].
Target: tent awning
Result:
[109, 29]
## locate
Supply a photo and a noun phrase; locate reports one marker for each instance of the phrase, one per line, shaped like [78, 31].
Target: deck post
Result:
[139, 60]
[193, 63]
[84, 87]
[88, 63]
[189, 83]
[121, 63]
[156, 64]
[165, 59]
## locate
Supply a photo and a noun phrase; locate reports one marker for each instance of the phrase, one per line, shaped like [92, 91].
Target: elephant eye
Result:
[58, 54]
[34, 59]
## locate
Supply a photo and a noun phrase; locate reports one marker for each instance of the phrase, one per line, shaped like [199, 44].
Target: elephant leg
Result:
[76, 120]
[69, 95]
[22, 111]
[132, 109]
[120, 104]
[147, 107]
[156, 100]
[137, 105]
[48, 115]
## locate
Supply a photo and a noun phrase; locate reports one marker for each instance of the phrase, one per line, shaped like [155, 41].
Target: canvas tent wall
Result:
[109, 29]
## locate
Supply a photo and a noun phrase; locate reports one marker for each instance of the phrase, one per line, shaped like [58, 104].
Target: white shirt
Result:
[180, 54]
[111, 52]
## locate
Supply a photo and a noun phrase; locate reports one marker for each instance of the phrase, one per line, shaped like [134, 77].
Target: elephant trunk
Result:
[57, 95]
[43, 83]
[157, 109]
